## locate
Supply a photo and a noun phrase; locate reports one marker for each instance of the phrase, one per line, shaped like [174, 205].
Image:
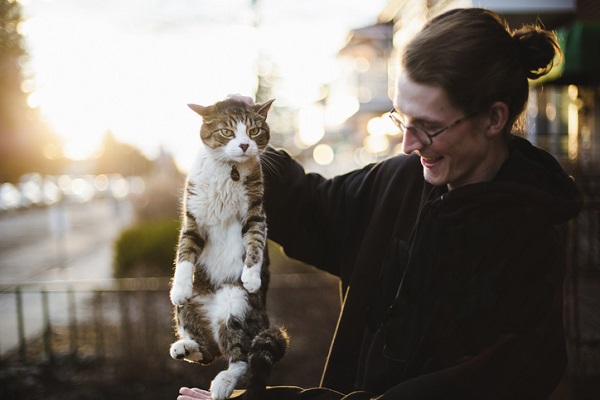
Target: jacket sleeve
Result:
[316, 220]
[324, 222]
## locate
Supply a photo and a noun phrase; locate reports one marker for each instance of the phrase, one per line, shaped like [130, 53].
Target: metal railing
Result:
[582, 290]
[72, 317]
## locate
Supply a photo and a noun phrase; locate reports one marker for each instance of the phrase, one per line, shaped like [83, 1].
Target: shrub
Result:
[146, 249]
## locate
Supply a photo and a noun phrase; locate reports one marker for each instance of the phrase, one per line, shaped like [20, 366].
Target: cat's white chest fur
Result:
[218, 204]
[218, 198]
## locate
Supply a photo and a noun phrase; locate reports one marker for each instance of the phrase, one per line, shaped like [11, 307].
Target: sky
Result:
[132, 66]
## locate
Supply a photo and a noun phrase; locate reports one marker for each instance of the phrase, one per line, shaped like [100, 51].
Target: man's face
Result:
[460, 155]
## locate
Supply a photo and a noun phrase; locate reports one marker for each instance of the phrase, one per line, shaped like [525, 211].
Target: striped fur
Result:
[221, 273]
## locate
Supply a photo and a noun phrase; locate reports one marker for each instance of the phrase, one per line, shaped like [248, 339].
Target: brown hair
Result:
[473, 55]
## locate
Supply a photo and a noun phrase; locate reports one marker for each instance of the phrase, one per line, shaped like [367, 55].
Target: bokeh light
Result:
[323, 154]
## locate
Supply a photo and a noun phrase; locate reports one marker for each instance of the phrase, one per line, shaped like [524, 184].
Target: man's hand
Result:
[193, 394]
[240, 97]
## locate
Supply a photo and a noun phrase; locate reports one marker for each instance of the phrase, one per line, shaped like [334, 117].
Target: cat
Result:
[221, 271]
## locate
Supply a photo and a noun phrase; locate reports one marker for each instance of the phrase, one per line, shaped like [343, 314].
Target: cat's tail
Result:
[268, 347]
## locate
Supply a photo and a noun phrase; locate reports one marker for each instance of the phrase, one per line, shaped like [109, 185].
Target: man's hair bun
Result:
[537, 49]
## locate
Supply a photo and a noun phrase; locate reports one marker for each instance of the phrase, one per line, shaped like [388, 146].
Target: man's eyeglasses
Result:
[424, 137]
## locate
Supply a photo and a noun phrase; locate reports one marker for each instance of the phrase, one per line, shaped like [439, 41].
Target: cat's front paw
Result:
[251, 278]
[181, 293]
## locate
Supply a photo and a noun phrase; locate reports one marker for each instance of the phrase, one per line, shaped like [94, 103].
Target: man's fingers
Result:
[194, 393]
[239, 97]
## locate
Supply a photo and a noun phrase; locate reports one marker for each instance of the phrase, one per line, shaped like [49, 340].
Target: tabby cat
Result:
[221, 273]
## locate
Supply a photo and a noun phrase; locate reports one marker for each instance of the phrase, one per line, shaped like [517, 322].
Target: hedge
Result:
[146, 249]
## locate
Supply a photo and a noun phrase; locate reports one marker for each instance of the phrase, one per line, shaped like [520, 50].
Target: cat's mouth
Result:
[243, 157]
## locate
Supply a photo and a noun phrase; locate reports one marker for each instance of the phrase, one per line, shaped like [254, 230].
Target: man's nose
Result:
[410, 142]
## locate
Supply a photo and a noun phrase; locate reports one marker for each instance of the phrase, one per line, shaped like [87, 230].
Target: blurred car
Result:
[10, 197]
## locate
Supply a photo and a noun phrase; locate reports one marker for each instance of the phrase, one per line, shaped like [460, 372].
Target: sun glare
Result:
[93, 71]
[80, 149]
[80, 131]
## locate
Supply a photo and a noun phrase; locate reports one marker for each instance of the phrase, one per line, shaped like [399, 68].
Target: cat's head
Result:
[235, 130]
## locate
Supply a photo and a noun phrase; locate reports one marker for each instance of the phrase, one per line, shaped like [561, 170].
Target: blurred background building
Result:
[563, 113]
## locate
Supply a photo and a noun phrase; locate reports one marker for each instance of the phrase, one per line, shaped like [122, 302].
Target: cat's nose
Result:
[244, 147]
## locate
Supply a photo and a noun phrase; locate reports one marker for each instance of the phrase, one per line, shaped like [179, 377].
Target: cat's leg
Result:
[251, 277]
[186, 349]
[182, 288]
[191, 244]
[253, 264]
[255, 240]
[225, 382]
[229, 309]
[256, 260]
[196, 342]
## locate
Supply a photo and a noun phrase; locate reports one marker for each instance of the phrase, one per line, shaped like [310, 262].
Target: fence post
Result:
[99, 325]
[72, 323]
[20, 324]
[125, 323]
[147, 318]
[47, 327]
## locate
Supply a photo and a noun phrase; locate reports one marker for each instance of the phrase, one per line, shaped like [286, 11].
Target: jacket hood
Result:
[530, 176]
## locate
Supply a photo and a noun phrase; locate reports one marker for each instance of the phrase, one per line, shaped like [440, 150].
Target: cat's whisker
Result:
[271, 163]
[223, 158]
[273, 167]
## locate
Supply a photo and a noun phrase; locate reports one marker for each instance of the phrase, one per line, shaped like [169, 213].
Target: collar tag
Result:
[235, 174]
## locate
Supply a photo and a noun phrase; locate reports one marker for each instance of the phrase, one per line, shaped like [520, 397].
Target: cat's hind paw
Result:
[181, 293]
[224, 384]
[186, 350]
[251, 278]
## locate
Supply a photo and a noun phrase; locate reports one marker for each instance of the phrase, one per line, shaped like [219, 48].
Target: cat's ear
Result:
[201, 110]
[263, 109]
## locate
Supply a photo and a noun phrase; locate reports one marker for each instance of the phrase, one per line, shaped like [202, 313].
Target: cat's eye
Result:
[254, 132]
[226, 132]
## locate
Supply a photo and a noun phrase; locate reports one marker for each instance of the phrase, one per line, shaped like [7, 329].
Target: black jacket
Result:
[456, 293]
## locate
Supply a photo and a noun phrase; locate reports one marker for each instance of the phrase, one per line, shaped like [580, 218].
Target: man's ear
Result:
[498, 118]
